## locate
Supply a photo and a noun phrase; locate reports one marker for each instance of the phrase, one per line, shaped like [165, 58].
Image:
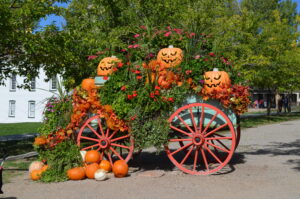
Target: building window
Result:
[33, 84]
[53, 83]
[31, 109]
[13, 82]
[12, 108]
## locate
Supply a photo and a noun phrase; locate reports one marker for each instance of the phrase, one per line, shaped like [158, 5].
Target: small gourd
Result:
[100, 175]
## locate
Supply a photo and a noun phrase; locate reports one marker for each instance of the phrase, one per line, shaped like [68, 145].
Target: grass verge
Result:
[19, 128]
[262, 120]
[13, 168]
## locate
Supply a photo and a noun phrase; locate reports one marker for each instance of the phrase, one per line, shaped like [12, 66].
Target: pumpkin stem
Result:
[216, 69]
[113, 56]
[171, 46]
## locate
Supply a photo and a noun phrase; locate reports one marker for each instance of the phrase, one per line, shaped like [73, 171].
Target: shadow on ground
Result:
[281, 148]
[159, 161]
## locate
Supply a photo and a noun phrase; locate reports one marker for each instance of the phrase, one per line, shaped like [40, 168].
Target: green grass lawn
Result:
[19, 128]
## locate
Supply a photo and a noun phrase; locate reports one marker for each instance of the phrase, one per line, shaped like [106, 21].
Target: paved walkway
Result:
[266, 165]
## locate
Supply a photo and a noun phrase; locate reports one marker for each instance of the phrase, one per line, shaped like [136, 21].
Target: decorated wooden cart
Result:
[203, 136]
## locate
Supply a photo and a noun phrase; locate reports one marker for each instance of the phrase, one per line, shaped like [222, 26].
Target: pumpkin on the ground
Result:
[91, 169]
[36, 174]
[77, 173]
[215, 80]
[107, 65]
[35, 165]
[92, 156]
[120, 168]
[105, 165]
[170, 57]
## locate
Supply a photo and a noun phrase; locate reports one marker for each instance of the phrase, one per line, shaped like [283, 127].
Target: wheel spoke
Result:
[121, 146]
[90, 147]
[182, 148]
[120, 138]
[215, 146]
[204, 158]
[216, 129]
[181, 131]
[196, 159]
[113, 134]
[185, 124]
[213, 154]
[93, 131]
[109, 158]
[201, 119]
[100, 125]
[186, 156]
[208, 125]
[178, 140]
[223, 145]
[107, 132]
[116, 153]
[193, 120]
[87, 138]
[219, 138]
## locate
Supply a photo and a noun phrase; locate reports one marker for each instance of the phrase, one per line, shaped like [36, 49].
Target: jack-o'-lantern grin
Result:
[211, 83]
[169, 60]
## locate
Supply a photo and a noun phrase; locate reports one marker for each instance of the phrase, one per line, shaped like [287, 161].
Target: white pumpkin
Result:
[35, 165]
[100, 175]
[83, 153]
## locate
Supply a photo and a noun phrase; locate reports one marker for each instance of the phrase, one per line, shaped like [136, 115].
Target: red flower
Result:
[105, 78]
[120, 65]
[171, 99]
[91, 57]
[115, 69]
[139, 77]
[143, 27]
[133, 117]
[136, 35]
[188, 72]
[192, 34]
[206, 59]
[129, 97]
[136, 46]
[157, 88]
[212, 54]
[123, 50]
[152, 95]
[130, 46]
[157, 92]
[167, 34]
[123, 88]
[134, 94]
[137, 72]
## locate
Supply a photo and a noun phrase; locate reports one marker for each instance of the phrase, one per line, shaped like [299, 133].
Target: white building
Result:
[20, 105]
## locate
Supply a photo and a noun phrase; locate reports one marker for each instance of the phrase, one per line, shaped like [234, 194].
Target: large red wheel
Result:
[112, 144]
[206, 139]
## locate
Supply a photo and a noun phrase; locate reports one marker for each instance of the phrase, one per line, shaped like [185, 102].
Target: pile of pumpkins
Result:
[94, 168]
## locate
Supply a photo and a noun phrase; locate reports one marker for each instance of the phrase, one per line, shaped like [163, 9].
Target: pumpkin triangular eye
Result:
[217, 78]
[173, 54]
[207, 78]
[164, 54]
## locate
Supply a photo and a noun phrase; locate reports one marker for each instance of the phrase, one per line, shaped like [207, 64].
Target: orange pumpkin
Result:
[170, 57]
[40, 141]
[92, 156]
[213, 80]
[105, 165]
[36, 174]
[91, 169]
[44, 168]
[106, 65]
[77, 173]
[88, 84]
[165, 79]
[35, 165]
[120, 168]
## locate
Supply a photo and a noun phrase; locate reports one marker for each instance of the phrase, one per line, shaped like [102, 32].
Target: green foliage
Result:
[57, 115]
[64, 156]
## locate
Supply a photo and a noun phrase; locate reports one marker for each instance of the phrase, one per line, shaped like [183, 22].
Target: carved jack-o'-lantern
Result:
[214, 79]
[170, 57]
[106, 65]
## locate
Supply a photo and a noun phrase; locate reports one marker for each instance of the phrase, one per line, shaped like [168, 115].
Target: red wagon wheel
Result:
[112, 144]
[206, 139]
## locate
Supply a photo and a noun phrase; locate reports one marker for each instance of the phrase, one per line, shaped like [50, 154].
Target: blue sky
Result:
[60, 21]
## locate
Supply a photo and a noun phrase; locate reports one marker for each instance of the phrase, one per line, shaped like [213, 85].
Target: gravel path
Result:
[265, 165]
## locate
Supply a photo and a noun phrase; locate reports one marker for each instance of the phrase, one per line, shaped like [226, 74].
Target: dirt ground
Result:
[265, 165]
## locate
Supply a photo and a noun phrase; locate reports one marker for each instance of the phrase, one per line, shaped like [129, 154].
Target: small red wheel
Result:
[112, 144]
[205, 145]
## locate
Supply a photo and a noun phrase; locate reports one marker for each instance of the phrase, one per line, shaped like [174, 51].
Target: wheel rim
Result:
[112, 144]
[203, 147]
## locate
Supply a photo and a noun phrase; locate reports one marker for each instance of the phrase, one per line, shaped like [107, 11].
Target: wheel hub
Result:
[104, 143]
[198, 140]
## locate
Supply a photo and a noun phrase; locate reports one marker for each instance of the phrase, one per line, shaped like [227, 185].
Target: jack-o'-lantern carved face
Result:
[106, 65]
[170, 57]
[214, 79]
